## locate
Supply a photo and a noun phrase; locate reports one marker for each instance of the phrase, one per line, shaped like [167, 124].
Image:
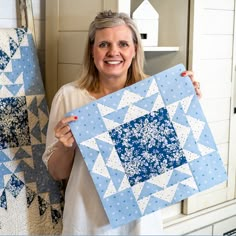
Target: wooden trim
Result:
[51, 45]
[187, 205]
[232, 146]
[30, 19]
[193, 34]
[22, 7]
[27, 17]
[190, 34]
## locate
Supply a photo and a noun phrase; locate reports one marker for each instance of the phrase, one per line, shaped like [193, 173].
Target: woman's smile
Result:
[113, 62]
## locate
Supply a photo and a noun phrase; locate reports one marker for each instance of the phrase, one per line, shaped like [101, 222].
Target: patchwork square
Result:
[147, 146]
[14, 123]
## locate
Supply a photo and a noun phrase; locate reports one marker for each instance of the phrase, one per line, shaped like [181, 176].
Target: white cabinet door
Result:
[212, 59]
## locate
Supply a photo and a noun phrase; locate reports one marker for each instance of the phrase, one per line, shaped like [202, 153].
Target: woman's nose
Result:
[113, 50]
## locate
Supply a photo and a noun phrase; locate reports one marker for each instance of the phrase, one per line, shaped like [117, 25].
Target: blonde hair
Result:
[89, 77]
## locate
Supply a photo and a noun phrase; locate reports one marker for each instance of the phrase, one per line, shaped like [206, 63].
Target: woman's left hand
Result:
[196, 84]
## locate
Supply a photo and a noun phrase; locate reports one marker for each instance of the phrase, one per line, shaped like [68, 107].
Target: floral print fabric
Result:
[14, 123]
[148, 146]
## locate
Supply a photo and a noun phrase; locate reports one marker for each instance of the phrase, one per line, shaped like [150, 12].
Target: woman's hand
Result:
[63, 132]
[62, 158]
[196, 84]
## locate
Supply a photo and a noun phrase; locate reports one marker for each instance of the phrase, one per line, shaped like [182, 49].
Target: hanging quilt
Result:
[147, 146]
[30, 201]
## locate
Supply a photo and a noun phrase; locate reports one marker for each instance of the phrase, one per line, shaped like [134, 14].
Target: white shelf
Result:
[161, 49]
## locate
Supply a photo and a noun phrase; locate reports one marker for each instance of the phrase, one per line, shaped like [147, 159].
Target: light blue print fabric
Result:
[148, 146]
[30, 201]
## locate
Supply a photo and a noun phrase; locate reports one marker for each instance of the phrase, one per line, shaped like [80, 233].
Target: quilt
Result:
[148, 146]
[30, 201]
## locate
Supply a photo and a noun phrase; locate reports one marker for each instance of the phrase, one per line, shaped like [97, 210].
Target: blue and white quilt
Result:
[30, 201]
[148, 146]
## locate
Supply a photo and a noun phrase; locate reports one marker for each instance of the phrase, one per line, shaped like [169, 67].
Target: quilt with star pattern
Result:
[148, 146]
[30, 201]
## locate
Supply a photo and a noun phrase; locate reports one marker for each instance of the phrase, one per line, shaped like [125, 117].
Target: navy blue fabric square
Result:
[148, 146]
[14, 127]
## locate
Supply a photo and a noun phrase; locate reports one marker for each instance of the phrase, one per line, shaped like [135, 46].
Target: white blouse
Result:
[83, 211]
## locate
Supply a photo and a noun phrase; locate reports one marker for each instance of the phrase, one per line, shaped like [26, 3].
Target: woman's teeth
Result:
[113, 62]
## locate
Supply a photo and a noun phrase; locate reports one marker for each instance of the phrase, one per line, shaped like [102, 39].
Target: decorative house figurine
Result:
[147, 20]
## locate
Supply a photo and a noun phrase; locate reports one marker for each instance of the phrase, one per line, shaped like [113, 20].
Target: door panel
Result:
[71, 47]
[211, 58]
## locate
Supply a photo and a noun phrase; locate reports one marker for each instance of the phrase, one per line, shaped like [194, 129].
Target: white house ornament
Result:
[147, 21]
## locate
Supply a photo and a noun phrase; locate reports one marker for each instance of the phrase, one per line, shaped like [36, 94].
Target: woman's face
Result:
[113, 51]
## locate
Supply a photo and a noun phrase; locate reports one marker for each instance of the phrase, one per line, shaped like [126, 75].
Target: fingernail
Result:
[184, 73]
[76, 117]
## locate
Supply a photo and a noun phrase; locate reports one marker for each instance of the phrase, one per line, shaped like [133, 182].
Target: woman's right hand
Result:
[63, 132]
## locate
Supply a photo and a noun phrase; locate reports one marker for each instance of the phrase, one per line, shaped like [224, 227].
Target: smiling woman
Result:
[114, 59]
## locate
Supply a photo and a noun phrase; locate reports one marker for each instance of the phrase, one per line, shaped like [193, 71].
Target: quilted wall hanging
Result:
[147, 146]
[30, 201]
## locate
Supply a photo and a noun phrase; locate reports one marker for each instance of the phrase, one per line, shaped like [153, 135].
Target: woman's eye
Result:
[124, 44]
[103, 44]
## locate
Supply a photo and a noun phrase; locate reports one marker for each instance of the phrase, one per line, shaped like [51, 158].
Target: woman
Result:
[113, 59]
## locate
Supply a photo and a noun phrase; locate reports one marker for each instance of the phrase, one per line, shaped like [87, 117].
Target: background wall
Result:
[173, 31]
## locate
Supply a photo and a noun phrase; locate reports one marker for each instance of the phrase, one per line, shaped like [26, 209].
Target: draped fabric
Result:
[30, 201]
[147, 146]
